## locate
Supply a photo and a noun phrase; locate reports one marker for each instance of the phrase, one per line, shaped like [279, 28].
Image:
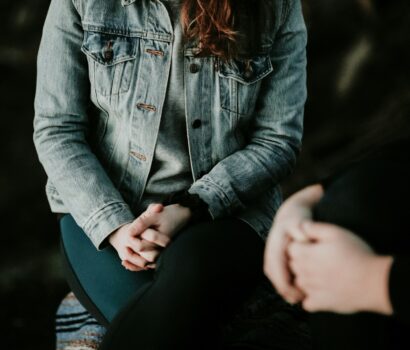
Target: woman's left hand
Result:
[159, 220]
[339, 272]
[153, 225]
[167, 221]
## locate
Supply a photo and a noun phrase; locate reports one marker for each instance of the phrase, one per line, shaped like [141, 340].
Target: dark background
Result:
[359, 97]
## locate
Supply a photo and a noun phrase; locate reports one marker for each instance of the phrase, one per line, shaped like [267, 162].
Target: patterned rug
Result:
[76, 329]
[264, 322]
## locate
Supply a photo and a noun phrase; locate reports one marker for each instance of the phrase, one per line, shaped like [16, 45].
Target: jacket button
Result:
[196, 123]
[194, 68]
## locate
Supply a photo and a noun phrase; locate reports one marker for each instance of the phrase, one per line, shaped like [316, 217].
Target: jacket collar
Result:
[127, 2]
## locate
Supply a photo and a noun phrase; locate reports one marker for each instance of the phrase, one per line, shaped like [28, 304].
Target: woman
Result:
[161, 122]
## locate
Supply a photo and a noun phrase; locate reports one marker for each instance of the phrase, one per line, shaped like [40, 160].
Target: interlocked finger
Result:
[156, 237]
[135, 258]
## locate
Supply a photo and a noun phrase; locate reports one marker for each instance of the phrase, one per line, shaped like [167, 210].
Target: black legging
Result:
[207, 270]
[367, 198]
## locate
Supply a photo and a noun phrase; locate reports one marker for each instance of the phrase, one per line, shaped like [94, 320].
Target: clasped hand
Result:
[140, 242]
[323, 266]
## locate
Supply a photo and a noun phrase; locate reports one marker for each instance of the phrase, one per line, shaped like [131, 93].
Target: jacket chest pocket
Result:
[239, 82]
[111, 60]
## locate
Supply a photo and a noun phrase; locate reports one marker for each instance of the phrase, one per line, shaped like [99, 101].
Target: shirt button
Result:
[194, 68]
[196, 123]
[108, 55]
[249, 73]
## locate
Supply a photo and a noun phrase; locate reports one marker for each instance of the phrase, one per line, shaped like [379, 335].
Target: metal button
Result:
[196, 123]
[138, 155]
[146, 106]
[155, 52]
[194, 68]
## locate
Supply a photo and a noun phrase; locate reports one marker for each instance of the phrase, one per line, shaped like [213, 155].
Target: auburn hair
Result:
[212, 24]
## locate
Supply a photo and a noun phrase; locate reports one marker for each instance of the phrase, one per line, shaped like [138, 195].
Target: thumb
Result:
[144, 221]
[155, 208]
[317, 231]
[297, 234]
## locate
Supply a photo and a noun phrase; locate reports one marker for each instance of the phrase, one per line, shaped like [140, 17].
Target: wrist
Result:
[186, 212]
[113, 237]
[197, 209]
[378, 285]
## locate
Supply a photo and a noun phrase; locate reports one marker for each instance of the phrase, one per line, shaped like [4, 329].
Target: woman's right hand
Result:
[136, 253]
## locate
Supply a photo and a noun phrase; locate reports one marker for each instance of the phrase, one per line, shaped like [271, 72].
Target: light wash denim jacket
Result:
[103, 69]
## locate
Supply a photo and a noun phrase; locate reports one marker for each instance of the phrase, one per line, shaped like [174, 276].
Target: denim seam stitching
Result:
[98, 211]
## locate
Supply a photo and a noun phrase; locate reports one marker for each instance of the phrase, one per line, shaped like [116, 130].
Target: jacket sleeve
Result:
[276, 134]
[61, 126]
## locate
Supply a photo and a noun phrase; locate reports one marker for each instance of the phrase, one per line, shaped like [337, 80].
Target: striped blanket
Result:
[265, 321]
[76, 329]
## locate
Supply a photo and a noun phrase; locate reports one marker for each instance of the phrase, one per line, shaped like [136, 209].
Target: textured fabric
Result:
[170, 166]
[202, 276]
[76, 329]
[187, 294]
[97, 277]
[102, 81]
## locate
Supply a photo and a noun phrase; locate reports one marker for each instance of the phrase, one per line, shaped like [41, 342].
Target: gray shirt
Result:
[171, 166]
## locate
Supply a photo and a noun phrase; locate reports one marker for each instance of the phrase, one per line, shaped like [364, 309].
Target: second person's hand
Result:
[286, 228]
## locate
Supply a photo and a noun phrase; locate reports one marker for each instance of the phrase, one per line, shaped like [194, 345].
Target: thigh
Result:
[216, 253]
[207, 270]
[210, 266]
[97, 278]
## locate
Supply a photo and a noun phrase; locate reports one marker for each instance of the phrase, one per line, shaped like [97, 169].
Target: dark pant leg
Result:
[366, 198]
[205, 273]
[97, 278]
[360, 331]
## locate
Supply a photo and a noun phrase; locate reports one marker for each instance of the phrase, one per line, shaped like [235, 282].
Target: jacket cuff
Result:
[105, 221]
[399, 287]
[198, 207]
[220, 203]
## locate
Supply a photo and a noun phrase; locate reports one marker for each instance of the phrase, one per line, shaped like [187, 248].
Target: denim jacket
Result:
[102, 78]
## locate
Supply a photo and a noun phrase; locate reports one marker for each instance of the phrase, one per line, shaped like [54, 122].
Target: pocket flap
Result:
[247, 70]
[108, 49]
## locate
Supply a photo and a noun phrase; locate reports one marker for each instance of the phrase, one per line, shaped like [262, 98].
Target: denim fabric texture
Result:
[171, 166]
[103, 69]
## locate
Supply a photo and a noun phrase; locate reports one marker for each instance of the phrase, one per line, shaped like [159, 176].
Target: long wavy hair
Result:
[219, 26]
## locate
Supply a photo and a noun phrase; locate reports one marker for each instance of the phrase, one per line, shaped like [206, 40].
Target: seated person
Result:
[341, 249]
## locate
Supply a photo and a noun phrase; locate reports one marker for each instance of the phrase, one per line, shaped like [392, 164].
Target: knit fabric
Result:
[76, 329]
